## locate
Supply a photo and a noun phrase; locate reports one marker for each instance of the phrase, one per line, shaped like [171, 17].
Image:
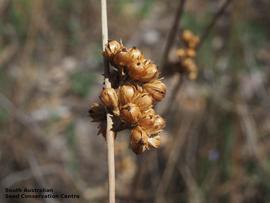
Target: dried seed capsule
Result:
[112, 47]
[150, 73]
[193, 75]
[130, 113]
[143, 71]
[194, 42]
[191, 53]
[143, 100]
[109, 97]
[97, 112]
[189, 64]
[147, 119]
[152, 124]
[181, 53]
[126, 93]
[122, 58]
[187, 36]
[136, 69]
[154, 141]
[138, 140]
[156, 89]
[135, 54]
[159, 124]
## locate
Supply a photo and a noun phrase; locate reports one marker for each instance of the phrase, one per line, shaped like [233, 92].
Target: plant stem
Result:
[172, 33]
[214, 20]
[109, 132]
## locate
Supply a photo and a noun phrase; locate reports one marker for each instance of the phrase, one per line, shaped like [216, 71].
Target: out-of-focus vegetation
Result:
[216, 144]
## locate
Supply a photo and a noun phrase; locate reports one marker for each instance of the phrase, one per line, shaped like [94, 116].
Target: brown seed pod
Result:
[187, 36]
[143, 71]
[156, 89]
[191, 53]
[135, 54]
[151, 73]
[112, 47]
[143, 100]
[109, 98]
[122, 58]
[189, 64]
[194, 42]
[130, 113]
[97, 112]
[154, 141]
[136, 69]
[181, 53]
[152, 123]
[138, 140]
[126, 93]
[159, 124]
[147, 119]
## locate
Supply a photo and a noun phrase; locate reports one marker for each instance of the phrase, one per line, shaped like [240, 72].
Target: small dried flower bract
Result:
[136, 90]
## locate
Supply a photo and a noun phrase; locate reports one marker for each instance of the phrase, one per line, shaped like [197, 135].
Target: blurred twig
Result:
[172, 33]
[173, 96]
[8, 53]
[23, 118]
[249, 129]
[213, 22]
[179, 140]
[37, 173]
[194, 193]
[19, 176]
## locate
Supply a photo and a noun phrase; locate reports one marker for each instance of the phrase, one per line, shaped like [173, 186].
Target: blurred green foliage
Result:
[142, 8]
[4, 115]
[71, 142]
[81, 83]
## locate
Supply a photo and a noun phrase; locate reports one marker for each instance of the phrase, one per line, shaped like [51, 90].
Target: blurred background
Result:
[216, 145]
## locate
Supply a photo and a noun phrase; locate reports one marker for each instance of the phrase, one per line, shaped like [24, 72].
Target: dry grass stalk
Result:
[109, 132]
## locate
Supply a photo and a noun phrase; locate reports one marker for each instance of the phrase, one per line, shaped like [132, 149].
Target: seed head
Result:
[159, 124]
[109, 97]
[151, 73]
[121, 58]
[130, 113]
[136, 69]
[138, 140]
[154, 141]
[135, 54]
[181, 53]
[147, 119]
[112, 47]
[156, 89]
[194, 42]
[187, 36]
[143, 100]
[152, 123]
[126, 93]
[143, 71]
[191, 53]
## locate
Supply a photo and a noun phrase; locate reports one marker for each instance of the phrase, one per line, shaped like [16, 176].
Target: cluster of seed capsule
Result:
[135, 90]
[188, 53]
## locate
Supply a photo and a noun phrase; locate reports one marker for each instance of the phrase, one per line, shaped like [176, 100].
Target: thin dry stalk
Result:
[109, 133]
[213, 22]
[172, 33]
[173, 96]
[179, 140]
